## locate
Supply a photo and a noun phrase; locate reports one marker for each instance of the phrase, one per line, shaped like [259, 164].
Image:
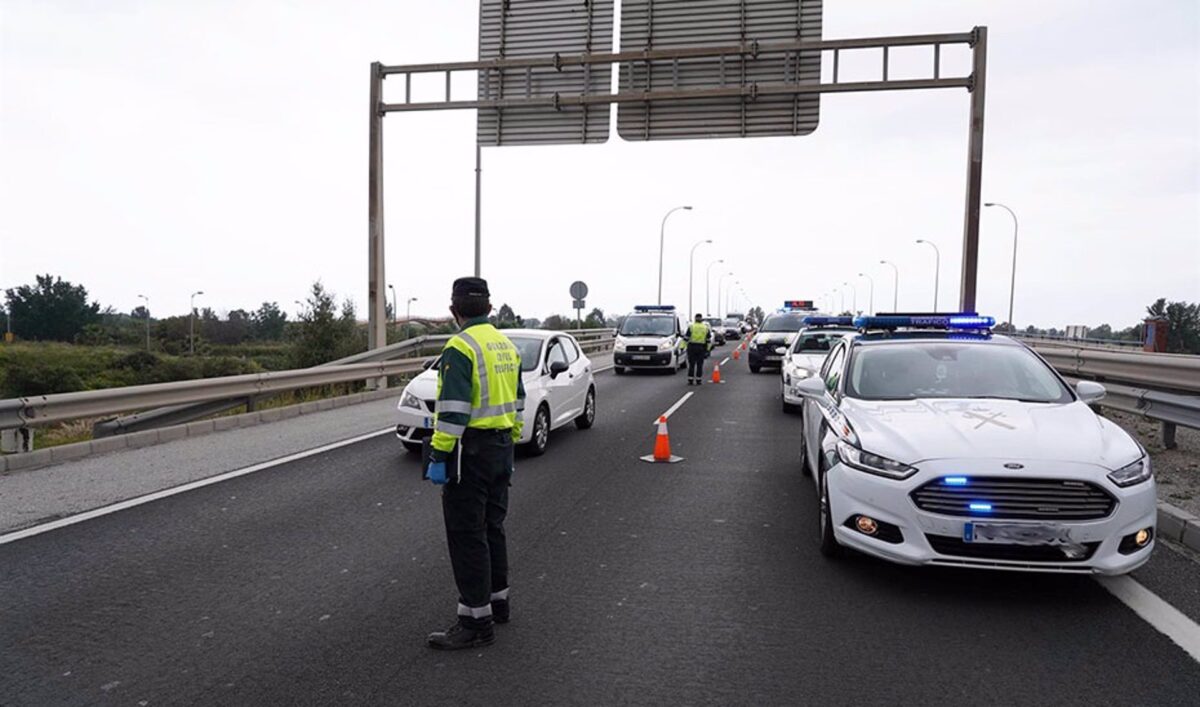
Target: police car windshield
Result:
[784, 322]
[948, 369]
[530, 349]
[647, 325]
[817, 341]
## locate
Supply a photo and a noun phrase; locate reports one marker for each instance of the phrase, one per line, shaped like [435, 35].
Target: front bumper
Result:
[767, 355]
[413, 425]
[790, 394]
[664, 359]
[853, 492]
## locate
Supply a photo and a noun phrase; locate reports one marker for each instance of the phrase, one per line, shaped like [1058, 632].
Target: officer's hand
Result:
[436, 472]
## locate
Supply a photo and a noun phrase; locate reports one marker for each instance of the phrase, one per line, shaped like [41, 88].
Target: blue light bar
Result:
[798, 304]
[962, 320]
[955, 481]
[980, 507]
[828, 321]
[654, 308]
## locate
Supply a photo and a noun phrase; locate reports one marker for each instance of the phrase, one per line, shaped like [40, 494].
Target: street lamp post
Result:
[871, 299]
[719, 281]
[691, 260]
[707, 278]
[1012, 287]
[192, 326]
[895, 285]
[853, 297]
[729, 296]
[937, 268]
[662, 231]
[147, 320]
[408, 317]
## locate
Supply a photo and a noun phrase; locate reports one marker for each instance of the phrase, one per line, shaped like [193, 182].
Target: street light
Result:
[719, 281]
[192, 326]
[408, 317]
[871, 300]
[662, 230]
[707, 276]
[147, 320]
[729, 296]
[1012, 287]
[691, 260]
[853, 297]
[937, 269]
[895, 285]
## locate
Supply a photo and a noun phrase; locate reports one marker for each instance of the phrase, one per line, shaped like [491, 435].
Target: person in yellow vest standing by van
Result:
[698, 337]
[479, 404]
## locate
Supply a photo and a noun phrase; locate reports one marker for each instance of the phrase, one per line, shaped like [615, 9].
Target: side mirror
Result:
[1090, 391]
[557, 368]
[811, 387]
[429, 364]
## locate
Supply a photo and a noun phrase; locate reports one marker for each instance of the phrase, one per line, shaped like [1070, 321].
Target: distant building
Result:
[1076, 331]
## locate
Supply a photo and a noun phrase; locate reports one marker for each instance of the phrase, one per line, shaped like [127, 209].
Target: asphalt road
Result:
[315, 582]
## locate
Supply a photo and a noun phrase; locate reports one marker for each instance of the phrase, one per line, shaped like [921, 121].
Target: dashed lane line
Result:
[671, 410]
[722, 363]
[148, 498]
[1168, 620]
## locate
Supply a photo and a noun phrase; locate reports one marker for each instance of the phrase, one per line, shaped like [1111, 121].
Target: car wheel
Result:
[540, 439]
[804, 470]
[829, 544]
[754, 368]
[414, 447]
[588, 417]
[619, 370]
[788, 408]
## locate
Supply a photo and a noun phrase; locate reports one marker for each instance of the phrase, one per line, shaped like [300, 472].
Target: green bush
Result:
[25, 378]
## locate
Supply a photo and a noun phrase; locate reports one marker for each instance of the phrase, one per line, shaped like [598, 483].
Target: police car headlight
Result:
[619, 346]
[780, 349]
[872, 463]
[666, 345]
[410, 401]
[1132, 474]
[802, 373]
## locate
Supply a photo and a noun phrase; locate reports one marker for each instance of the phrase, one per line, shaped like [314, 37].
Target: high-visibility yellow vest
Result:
[497, 371]
[698, 333]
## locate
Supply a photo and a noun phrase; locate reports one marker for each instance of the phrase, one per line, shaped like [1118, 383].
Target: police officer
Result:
[697, 349]
[479, 402]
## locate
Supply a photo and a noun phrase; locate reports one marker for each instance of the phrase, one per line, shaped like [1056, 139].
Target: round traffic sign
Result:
[579, 289]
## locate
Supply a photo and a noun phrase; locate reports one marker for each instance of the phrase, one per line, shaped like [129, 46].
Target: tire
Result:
[619, 370]
[587, 418]
[828, 543]
[804, 470]
[790, 409]
[414, 447]
[754, 368]
[540, 439]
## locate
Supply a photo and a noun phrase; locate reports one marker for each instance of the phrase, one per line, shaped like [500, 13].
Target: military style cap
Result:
[470, 287]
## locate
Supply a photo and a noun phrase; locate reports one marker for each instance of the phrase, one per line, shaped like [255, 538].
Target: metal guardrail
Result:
[20, 413]
[1115, 344]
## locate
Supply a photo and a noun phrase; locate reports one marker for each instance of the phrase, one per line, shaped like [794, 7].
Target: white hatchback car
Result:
[945, 445]
[807, 352]
[559, 389]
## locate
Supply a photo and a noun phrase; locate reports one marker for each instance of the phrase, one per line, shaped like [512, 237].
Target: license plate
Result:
[640, 358]
[774, 358]
[1016, 534]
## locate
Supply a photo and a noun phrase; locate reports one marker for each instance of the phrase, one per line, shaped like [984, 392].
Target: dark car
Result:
[718, 331]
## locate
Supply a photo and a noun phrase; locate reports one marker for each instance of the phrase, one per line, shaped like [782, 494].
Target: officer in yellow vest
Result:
[479, 403]
[698, 337]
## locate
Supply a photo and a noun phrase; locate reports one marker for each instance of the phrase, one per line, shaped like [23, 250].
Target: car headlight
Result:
[872, 463]
[780, 349]
[801, 373]
[410, 401]
[619, 346]
[1132, 474]
[666, 345]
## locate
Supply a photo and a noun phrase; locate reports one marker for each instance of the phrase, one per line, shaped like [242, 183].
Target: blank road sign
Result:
[511, 29]
[665, 24]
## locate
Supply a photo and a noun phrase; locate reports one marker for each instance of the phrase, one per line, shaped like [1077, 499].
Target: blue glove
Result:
[436, 472]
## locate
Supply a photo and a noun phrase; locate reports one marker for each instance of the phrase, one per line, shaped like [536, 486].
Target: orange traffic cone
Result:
[737, 353]
[662, 446]
[717, 373]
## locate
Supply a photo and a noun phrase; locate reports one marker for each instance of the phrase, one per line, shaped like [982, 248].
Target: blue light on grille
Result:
[955, 480]
[980, 507]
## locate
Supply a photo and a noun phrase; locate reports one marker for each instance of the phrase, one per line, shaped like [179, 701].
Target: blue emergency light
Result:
[654, 308]
[959, 320]
[828, 321]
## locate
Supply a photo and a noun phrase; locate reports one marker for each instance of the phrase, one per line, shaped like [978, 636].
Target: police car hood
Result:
[811, 361]
[774, 337]
[913, 431]
[644, 340]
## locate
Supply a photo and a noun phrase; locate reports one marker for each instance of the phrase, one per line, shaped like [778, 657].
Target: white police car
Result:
[559, 389]
[935, 442]
[807, 352]
[651, 337]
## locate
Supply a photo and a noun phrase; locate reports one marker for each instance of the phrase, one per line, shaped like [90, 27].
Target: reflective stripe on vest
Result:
[497, 363]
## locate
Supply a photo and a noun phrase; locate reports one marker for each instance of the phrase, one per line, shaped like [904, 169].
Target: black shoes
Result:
[500, 611]
[459, 636]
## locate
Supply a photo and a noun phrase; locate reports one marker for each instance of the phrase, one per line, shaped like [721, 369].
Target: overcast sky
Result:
[162, 147]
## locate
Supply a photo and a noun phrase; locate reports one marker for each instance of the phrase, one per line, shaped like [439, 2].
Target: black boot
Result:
[500, 611]
[465, 633]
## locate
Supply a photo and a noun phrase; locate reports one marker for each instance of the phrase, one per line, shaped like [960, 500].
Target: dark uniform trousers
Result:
[474, 508]
[696, 355]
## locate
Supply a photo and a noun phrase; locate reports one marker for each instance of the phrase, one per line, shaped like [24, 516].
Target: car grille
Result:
[1017, 498]
[947, 545]
[641, 349]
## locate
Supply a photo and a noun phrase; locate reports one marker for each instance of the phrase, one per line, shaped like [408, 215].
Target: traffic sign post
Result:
[579, 290]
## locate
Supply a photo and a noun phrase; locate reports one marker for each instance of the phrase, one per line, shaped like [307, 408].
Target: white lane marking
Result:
[671, 410]
[722, 363]
[122, 505]
[1169, 621]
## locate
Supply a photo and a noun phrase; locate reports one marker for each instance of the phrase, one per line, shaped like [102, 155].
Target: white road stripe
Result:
[722, 363]
[671, 410]
[1169, 621]
[96, 513]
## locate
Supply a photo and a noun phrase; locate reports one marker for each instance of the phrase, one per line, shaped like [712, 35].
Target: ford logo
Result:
[1014, 465]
